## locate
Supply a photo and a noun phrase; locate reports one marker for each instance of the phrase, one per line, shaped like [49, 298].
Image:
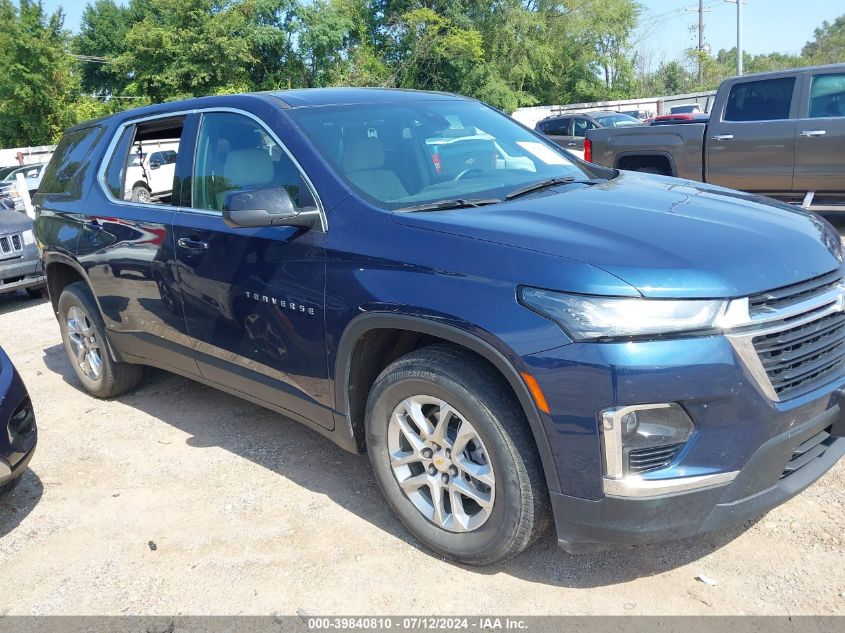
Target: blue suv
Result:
[17, 426]
[513, 336]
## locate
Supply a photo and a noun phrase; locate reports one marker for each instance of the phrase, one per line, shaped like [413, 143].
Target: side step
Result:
[820, 208]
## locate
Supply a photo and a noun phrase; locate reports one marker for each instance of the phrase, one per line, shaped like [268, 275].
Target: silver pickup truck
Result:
[780, 134]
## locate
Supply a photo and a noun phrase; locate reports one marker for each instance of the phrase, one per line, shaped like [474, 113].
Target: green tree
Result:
[188, 48]
[828, 45]
[102, 33]
[39, 80]
[432, 53]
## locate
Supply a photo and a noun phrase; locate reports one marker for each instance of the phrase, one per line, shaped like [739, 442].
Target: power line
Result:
[91, 58]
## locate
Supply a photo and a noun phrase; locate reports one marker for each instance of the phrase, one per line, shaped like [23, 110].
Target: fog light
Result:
[644, 437]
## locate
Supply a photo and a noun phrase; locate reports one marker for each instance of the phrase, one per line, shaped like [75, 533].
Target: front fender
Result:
[369, 321]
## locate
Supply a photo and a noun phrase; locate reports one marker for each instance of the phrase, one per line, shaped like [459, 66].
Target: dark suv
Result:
[511, 338]
[17, 426]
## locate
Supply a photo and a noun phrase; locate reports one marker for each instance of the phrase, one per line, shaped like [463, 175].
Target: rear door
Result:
[127, 249]
[253, 297]
[750, 143]
[820, 140]
[559, 130]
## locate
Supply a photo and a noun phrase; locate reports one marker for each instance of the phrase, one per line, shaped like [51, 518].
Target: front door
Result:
[820, 140]
[750, 146]
[253, 297]
[580, 126]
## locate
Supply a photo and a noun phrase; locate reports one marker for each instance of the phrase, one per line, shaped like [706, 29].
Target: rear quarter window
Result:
[68, 166]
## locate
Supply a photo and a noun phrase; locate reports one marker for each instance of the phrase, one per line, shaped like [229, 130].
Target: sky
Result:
[782, 26]
[770, 25]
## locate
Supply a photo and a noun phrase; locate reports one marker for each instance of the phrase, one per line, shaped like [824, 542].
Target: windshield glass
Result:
[403, 155]
[617, 120]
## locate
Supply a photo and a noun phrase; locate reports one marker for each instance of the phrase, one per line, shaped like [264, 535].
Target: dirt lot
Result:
[178, 499]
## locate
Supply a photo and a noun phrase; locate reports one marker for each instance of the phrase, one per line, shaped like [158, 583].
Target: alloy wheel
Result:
[84, 342]
[441, 463]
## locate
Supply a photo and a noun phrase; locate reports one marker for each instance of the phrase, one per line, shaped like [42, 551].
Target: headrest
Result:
[248, 167]
[363, 155]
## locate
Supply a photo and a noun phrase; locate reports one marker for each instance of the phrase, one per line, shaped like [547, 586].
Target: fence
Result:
[26, 155]
[654, 105]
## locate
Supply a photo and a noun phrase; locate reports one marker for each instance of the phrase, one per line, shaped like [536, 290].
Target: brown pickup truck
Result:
[781, 134]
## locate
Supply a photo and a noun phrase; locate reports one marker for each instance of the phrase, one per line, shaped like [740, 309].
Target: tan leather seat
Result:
[363, 163]
[244, 169]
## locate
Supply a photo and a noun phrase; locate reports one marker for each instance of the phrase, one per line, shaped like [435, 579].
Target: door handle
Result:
[722, 137]
[813, 133]
[192, 245]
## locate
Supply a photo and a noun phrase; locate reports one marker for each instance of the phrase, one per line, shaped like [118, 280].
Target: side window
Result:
[235, 153]
[559, 127]
[581, 126]
[132, 174]
[765, 100]
[68, 160]
[827, 96]
[116, 169]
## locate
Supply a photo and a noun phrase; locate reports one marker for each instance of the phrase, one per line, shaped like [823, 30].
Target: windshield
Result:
[617, 120]
[411, 154]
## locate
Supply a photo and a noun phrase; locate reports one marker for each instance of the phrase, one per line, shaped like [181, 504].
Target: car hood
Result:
[665, 237]
[12, 221]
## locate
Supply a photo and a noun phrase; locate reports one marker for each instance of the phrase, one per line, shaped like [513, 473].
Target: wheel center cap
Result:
[441, 462]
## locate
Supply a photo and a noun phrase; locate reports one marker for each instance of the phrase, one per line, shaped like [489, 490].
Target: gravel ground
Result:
[179, 499]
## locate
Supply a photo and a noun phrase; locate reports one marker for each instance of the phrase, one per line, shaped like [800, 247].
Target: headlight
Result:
[28, 237]
[586, 317]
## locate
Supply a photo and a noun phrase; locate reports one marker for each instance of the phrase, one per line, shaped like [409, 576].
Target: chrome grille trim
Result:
[801, 358]
[11, 245]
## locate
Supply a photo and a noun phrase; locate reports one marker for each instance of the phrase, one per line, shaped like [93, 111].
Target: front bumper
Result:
[738, 430]
[775, 473]
[17, 274]
[9, 472]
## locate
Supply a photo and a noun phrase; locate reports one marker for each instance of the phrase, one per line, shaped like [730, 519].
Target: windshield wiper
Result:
[551, 182]
[458, 203]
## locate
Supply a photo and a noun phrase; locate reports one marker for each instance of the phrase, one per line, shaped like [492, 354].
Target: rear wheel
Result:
[84, 336]
[660, 171]
[141, 194]
[454, 457]
[9, 485]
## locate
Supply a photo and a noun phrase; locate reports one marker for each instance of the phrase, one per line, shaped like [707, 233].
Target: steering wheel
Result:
[466, 171]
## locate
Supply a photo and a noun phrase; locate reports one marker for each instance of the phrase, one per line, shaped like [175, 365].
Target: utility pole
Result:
[701, 45]
[739, 4]
[700, 41]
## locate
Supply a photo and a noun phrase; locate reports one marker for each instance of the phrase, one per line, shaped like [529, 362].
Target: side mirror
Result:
[154, 164]
[271, 206]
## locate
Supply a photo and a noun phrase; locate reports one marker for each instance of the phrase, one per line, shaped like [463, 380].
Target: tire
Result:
[85, 336]
[518, 507]
[9, 485]
[653, 170]
[140, 193]
[35, 293]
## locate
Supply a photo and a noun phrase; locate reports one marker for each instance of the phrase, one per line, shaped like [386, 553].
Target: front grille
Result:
[798, 358]
[11, 245]
[641, 460]
[793, 293]
[808, 451]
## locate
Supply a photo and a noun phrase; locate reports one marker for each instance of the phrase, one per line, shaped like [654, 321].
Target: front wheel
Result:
[454, 457]
[84, 336]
